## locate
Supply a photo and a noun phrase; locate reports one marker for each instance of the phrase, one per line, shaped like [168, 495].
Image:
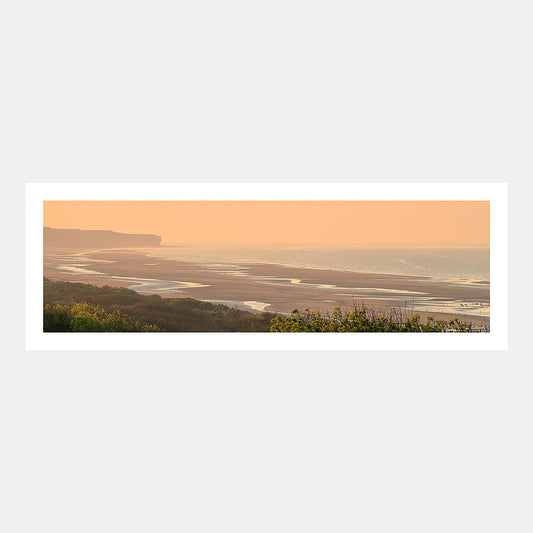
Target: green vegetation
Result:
[363, 320]
[87, 318]
[83, 307]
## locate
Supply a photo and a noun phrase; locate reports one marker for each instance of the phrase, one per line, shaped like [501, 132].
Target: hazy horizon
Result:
[287, 244]
[370, 224]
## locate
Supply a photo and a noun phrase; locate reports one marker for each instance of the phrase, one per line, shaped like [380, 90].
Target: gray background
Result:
[259, 441]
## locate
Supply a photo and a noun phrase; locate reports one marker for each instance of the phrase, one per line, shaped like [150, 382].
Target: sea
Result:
[446, 264]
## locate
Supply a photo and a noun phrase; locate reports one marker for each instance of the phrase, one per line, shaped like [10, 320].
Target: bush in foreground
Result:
[84, 317]
[363, 320]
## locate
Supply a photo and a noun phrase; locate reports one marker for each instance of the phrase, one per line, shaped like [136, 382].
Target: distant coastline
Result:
[77, 238]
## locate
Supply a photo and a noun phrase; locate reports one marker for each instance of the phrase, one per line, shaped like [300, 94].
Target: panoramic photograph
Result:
[266, 266]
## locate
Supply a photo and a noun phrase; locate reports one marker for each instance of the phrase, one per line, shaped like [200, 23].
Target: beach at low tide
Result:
[270, 287]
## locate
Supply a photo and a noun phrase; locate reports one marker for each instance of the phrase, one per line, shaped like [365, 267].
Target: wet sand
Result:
[282, 288]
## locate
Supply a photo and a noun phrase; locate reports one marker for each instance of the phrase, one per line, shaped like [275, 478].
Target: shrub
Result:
[84, 317]
[362, 320]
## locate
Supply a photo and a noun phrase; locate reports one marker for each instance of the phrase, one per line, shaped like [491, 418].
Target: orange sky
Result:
[410, 223]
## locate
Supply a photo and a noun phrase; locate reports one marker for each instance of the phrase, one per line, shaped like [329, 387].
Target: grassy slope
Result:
[186, 314]
[168, 314]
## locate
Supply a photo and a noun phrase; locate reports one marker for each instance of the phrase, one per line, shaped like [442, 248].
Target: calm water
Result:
[441, 263]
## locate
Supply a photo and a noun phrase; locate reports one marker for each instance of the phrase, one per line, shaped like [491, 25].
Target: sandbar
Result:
[270, 287]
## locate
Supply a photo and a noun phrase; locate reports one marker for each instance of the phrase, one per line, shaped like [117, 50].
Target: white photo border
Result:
[37, 193]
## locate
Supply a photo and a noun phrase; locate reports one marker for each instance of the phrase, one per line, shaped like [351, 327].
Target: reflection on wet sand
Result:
[269, 287]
